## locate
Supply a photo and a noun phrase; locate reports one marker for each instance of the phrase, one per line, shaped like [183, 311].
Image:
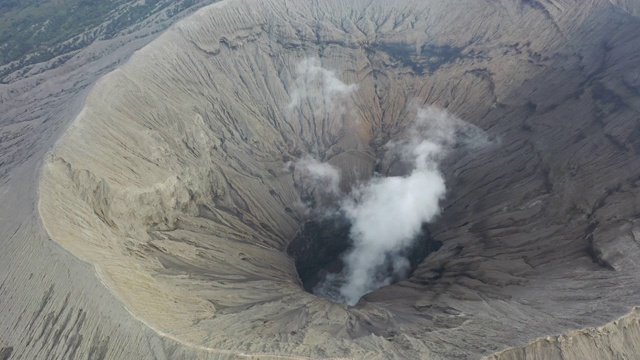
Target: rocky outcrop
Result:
[171, 182]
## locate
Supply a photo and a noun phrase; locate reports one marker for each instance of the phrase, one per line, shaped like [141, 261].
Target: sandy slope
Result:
[53, 306]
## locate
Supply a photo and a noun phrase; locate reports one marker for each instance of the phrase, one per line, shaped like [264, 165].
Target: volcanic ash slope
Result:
[172, 181]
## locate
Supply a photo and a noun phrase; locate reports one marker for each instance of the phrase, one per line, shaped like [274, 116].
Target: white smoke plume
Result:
[319, 86]
[320, 181]
[387, 213]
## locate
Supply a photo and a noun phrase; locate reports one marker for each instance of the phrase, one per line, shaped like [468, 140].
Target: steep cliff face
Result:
[172, 181]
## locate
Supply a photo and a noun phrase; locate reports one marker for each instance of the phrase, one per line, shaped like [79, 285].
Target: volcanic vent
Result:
[374, 234]
[183, 179]
[320, 247]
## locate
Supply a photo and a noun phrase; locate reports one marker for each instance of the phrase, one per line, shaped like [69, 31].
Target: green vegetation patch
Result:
[33, 31]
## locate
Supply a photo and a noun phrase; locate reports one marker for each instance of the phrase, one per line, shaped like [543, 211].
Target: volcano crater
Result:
[173, 181]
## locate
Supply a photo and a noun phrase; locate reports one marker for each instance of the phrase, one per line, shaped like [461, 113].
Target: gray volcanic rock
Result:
[171, 184]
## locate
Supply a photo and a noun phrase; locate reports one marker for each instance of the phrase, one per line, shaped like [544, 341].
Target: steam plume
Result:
[319, 182]
[386, 213]
[319, 86]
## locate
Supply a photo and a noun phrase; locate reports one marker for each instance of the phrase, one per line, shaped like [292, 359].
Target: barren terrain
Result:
[157, 226]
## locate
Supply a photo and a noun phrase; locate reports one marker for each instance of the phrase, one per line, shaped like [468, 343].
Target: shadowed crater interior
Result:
[319, 248]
